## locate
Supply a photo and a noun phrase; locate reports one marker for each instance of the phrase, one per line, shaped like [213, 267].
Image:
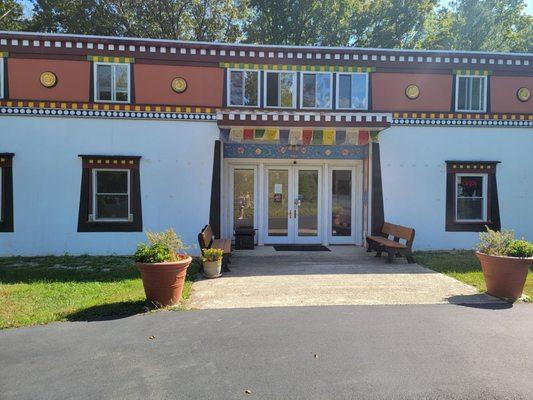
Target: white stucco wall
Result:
[414, 178]
[175, 170]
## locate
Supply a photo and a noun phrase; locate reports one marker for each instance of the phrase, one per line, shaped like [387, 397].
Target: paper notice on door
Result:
[278, 188]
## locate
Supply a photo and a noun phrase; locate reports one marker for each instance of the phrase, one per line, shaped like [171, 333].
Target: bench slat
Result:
[397, 231]
[387, 242]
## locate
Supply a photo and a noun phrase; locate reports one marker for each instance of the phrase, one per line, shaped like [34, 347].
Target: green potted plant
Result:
[163, 265]
[212, 261]
[505, 262]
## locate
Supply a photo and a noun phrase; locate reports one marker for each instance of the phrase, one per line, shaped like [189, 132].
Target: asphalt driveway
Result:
[345, 276]
[348, 352]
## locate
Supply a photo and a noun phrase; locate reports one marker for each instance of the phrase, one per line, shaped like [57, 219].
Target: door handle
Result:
[290, 213]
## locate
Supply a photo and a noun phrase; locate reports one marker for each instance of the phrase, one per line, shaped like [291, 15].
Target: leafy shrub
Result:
[155, 253]
[503, 243]
[495, 243]
[212, 254]
[164, 246]
[520, 248]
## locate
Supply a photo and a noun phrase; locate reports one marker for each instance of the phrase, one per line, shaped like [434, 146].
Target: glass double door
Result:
[293, 204]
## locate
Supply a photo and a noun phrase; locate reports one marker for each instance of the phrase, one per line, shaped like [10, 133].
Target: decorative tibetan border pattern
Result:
[299, 136]
[232, 117]
[129, 60]
[102, 110]
[479, 72]
[284, 67]
[243, 150]
[462, 119]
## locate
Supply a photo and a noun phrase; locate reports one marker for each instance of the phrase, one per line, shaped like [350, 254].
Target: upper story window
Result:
[1, 77]
[471, 93]
[112, 82]
[280, 89]
[243, 88]
[352, 91]
[316, 89]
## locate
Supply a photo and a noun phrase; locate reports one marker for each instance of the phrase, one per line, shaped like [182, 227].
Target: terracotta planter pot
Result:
[504, 276]
[163, 282]
[213, 269]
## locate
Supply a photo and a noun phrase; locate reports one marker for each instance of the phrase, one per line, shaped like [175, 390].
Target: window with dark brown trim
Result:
[471, 196]
[110, 196]
[6, 192]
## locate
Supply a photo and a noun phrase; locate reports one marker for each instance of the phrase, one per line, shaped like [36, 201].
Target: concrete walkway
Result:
[345, 276]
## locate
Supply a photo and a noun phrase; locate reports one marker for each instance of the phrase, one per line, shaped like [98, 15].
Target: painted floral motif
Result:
[233, 150]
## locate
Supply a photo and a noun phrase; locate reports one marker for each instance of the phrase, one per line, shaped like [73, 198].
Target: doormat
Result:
[300, 247]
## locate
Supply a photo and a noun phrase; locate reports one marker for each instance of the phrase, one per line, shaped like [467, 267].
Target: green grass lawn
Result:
[39, 290]
[463, 266]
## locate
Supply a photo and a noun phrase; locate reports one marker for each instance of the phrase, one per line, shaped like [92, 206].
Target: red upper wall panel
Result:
[388, 92]
[503, 94]
[73, 79]
[153, 85]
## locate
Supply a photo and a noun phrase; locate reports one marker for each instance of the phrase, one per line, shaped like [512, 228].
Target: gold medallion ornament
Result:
[179, 85]
[48, 79]
[412, 92]
[523, 94]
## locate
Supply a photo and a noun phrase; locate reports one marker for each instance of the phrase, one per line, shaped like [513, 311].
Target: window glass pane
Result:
[111, 206]
[345, 88]
[272, 89]
[323, 98]
[121, 82]
[243, 197]
[309, 90]
[359, 95]
[341, 203]
[111, 182]
[476, 99]
[103, 81]
[482, 82]
[461, 94]
[469, 186]
[278, 211]
[250, 88]
[308, 202]
[288, 88]
[236, 88]
[470, 201]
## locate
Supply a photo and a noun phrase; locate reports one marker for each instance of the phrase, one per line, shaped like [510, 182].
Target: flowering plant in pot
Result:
[163, 265]
[212, 261]
[505, 262]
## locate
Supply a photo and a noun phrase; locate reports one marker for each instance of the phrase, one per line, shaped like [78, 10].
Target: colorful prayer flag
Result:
[352, 136]
[363, 138]
[329, 137]
[295, 136]
[236, 134]
[317, 136]
[307, 136]
[248, 134]
[272, 134]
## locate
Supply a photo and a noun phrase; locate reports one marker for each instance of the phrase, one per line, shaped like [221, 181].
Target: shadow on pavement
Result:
[482, 301]
[112, 311]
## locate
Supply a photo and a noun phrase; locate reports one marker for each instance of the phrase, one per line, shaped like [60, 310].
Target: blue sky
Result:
[28, 6]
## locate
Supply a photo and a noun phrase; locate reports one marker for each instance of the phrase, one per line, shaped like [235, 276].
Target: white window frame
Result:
[228, 87]
[113, 86]
[484, 196]
[129, 218]
[337, 78]
[302, 90]
[485, 86]
[2, 77]
[294, 95]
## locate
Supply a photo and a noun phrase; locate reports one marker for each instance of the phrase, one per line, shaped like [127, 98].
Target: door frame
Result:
[342, 239]
[260, 165]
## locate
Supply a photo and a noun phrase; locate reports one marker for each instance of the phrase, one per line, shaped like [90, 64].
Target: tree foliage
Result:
[11, 16]
[486, 25]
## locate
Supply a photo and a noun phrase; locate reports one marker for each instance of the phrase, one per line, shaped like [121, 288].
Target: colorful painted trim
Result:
[462, 119]
[95, 161]
[128, 60]
[4, 54]
[76, 109]
[483, 72]
[284, 67]
[235, 117]
[472, 166]
[299, 136]
[235, 150]
[5, 159]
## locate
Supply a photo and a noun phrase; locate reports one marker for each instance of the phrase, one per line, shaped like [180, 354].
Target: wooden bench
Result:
[207, 241]
[393, 247]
